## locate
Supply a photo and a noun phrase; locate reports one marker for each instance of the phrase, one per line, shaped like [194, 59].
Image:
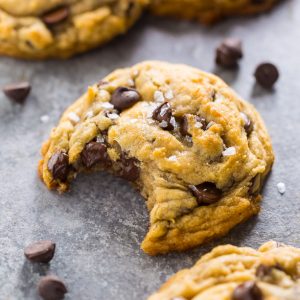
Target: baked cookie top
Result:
[231, 273]
[209, 11]
[196, 151]
[61, 28]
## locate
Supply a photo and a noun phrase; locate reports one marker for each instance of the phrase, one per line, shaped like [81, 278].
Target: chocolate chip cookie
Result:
[60, 28]
[209, 11]
[232, 273]
[197, 152]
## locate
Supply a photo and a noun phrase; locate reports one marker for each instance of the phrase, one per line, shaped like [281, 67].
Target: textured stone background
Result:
[99, 225]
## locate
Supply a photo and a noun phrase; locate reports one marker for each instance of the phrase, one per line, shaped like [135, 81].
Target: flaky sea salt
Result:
[211, 123]
[107, 105]
[172, 158]
[45, 118]
[198, 125]
[229, 151]
[163, 124]
[73, 117]
[169, 94]
[159, 96]
[281, 188]
[113, 116]
[89, 114]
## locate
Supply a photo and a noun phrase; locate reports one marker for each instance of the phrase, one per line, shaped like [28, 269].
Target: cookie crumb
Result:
[45, 119]
[281, 188]
[229, 151]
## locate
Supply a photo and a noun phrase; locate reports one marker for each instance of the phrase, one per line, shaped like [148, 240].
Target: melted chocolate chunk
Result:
[266, 75]
[206, 193]
[163, 114]
[51, 288]
[93, 153]
[263, 271]
[247, 291]
[123, 98]
[56, 16]
[58, 165]
[229, 53]
[129, 168]
[17, 92]
[42, 251]
[184, 126]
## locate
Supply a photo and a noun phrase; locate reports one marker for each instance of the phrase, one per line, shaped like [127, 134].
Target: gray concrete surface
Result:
[99, 225]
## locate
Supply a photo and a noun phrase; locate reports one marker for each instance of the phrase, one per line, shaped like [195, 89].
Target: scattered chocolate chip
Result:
[247, 291]
[124, 97]
[266, 75]
[41, 251]
[129, 168]
[51, 288]
[94, 152]
[229, 52]
[17, 91]
[206, 193]
[248, 124]
[56, 16]
[163, 114]
[58, 165]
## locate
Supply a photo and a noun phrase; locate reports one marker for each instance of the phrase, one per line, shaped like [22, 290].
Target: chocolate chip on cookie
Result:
[229, 52]
[266, 74]
[263, 270]
[247, 291]
[93, 153]
[58, 165]
[124, 97]
[41, 251]
[163, 114]
[248, 124]
[17, 92]
[184, 126]
[56, 16]
[51, 288]
[129, 168]
[206, 193]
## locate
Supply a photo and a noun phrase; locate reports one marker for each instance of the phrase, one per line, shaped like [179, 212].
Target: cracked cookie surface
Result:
[197, 152]
[238, 273]
[209, 11]
[37, 29]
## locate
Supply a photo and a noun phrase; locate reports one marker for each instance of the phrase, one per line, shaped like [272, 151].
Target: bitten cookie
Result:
[231, 273]
[39, 29]
[209, 11]
[197, 152]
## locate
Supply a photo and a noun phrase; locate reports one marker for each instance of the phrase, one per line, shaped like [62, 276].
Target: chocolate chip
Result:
[124, 97]
[263, 271]
[163, 114]
[229, 52]
[56, 16]
[17, 91]
[58, 165]
[206, 193]
[248, 124]
[266, 75]
[41, 251]
[129, 168]
[93, 153]
[184, 126]
[247, 291]
[51, 288]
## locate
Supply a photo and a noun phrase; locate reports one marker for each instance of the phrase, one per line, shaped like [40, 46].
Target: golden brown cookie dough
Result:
[209, 11]
[234, 273]
[197, 152]
[39, 29]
